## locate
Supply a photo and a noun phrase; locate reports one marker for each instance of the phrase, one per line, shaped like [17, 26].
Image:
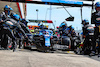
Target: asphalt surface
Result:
[33, 58]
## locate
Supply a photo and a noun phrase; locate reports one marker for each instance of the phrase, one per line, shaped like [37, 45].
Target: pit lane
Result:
[34, 58]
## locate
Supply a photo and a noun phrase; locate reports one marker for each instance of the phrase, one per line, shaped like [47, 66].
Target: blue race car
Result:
[44, 40]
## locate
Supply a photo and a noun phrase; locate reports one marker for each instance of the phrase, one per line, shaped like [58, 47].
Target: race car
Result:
[45, 40]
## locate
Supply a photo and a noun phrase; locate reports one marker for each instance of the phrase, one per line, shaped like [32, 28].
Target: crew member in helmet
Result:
[70, 32]
[19, 28]
[17, 18]
[85, 23]
[5, 30]
[96, 20]
[87, 29]
[62, 27]
[5, 13]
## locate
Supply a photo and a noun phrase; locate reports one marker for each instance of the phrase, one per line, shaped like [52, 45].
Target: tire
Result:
[4, 42]
[87, 50]
[38, 46]
[78, 50]
[30, 48]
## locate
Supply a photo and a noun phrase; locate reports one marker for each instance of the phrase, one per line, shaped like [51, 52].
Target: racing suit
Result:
[24, 27]
[71, 33]
[6, 30]
[61, 29]
[87, 37]
[96, 20]
[21, 32]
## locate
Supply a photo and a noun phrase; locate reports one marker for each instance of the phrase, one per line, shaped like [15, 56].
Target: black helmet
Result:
[85, 22]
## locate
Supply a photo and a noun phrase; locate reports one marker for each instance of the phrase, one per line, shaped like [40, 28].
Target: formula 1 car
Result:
[45, 40]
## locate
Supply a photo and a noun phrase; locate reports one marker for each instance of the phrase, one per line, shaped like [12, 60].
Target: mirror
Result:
[70, 19]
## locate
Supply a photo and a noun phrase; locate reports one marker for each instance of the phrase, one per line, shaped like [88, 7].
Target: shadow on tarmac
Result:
[93, 57]
[57, 51]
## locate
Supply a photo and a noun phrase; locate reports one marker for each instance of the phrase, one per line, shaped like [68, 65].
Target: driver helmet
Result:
[40, 24]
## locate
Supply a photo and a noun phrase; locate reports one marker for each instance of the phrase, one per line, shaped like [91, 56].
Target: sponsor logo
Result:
[98, 19]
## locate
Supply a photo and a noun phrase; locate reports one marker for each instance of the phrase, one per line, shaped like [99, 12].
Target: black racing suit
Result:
[71, 33]
[24, 27]
[87, 30]
[18, 30]
[6, 30]
[21, 30]
[96, 20]
[61, 29]
[17, 24]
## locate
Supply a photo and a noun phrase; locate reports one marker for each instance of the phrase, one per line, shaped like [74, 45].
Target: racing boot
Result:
[14, 46]
[20, 44]
[98, 55]
[82, 53]
[92, 53]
